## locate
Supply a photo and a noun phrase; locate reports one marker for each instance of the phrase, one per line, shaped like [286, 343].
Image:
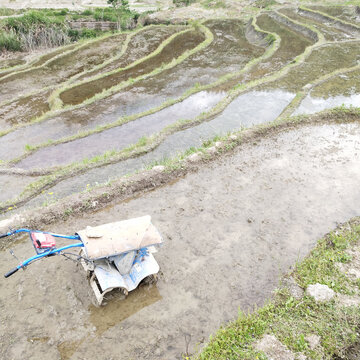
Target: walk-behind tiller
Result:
[116, 255]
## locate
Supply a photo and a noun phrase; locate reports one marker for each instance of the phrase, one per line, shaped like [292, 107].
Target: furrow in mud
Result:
[203, 67]
[142, 44]
[238, 223]
[61, 68]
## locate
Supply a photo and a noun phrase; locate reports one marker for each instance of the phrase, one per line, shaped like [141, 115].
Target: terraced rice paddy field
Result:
[85, 117]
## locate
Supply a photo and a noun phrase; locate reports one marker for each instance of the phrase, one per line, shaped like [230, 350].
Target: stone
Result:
[295, 290]
[218, 144]
[158, 168]
[211, 150]
[347, 300]
[354, 272]
[194, 157]
[274, 349]
[320, 292]
[313, 340]
[233, 137]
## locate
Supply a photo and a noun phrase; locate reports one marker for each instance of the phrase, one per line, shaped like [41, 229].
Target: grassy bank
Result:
[46, 28]
[291, 320]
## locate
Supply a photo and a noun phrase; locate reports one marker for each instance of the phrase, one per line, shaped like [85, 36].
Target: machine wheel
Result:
[151, 279]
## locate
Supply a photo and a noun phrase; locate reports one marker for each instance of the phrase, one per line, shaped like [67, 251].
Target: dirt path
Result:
[230, 230]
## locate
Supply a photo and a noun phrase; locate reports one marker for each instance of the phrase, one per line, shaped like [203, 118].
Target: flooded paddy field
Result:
[232, 227]
[330, 32]
[249, 109]
[238, 223]
[142, 44]
[182, 43]
[60, 68]
[231, 49]
[203, 67]
[341, 90]
[346, 13]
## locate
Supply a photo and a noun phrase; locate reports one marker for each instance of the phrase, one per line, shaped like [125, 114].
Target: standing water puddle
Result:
[295, 187]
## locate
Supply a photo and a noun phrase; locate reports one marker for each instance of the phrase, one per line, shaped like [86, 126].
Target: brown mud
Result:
[230, 229]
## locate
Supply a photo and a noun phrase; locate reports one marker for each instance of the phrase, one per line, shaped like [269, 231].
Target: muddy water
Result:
[344, 84]
[322, 61]
[312, 105]
[347, 13]
[329, 31]
[342, 90]
[230, 231]
[228, 52]
[182, 43]
[292, 44]
[122, 136]
[141, 44]
[61, 68]
[247, 110]
[24, 109]
[32, 63]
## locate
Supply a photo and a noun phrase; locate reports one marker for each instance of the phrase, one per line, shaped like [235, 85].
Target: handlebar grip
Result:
[3, 235]
[13, 271]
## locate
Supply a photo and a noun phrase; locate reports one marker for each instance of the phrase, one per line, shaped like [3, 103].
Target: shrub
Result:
[88, 33]
[9, 41]
[87, 12]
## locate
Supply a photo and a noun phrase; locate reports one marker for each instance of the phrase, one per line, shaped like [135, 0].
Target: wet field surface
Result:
[250, 109]
[230, 231]
[60, 68]
[142, 44]
[232, 48]
[142, 96]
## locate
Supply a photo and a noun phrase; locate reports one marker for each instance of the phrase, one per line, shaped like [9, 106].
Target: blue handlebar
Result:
[51, 251]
